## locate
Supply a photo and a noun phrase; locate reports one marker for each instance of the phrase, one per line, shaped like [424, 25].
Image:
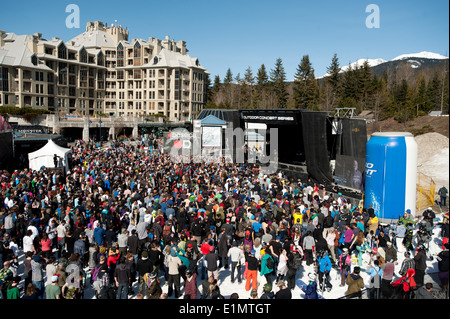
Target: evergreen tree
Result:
[350, 84]
[279, 86]
[248, 88]
[365, 85]
[262, 84]
[333, 73]
[208, 90]
[420, 99]
[434, 92]
[228, 88]
[216, 86]
[306, 89]
[228, 79]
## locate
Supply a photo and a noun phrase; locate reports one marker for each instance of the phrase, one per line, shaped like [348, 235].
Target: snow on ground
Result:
[433, 157]
[227, 288]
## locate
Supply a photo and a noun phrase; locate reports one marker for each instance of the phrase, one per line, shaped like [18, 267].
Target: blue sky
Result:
[237, 34]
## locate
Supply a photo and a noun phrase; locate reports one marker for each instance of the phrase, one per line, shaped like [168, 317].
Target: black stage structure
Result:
[309, 142]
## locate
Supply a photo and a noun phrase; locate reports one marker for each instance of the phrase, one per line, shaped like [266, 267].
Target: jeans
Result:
[234, 266]
[174, 285]
[40, 286]
[122, 291]
[374, 293]
[225, 262]
[443, 201]
[290, 278]
[202, 269]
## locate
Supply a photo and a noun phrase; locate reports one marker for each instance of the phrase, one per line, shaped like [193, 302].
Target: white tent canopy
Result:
[44, 156]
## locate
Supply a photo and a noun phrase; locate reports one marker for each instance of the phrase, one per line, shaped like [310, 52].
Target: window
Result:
[39, 76]
[120, 55]
[155, 60]
[100, 59]
[83, 77]
[177, 84]
[83, 55]
[137, 54]
[62, 75]
[62, 51]
[34, 60]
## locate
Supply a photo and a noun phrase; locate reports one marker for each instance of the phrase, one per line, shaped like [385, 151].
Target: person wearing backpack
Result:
[375, 274]
[267, 265]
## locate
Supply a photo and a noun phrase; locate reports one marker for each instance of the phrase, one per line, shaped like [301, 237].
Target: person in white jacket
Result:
[236, 255]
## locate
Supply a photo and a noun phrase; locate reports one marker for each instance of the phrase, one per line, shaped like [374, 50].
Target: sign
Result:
[31, 129]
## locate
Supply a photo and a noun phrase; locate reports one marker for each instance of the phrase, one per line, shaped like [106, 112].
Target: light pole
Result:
[89, 122]
[100, 128]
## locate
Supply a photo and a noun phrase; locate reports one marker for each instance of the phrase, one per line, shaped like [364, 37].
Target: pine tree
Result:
[350, 84]
[248, 87]
[262, 83]
[434, 92]
[208, 89]
[228, 88]
[228, 79]
[278, 81]
[333, 73]
[420, 98]
[306, 89]
[364, 85]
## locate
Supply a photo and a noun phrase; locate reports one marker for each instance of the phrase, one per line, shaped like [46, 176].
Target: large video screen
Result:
[211, 136]
[349, 172]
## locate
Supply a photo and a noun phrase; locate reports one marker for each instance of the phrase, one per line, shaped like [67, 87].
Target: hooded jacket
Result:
[355, 284]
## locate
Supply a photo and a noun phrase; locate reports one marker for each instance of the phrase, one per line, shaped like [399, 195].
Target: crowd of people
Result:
[126, 217]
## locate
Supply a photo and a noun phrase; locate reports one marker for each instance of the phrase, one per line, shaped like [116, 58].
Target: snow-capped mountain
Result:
[423, 54]
[415, 60]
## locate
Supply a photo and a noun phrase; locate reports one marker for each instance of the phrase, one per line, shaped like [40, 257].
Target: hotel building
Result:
[101, 72]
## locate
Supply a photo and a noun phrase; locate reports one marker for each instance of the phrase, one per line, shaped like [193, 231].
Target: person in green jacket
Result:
[13, 289]
[266, 265]
[406, 218]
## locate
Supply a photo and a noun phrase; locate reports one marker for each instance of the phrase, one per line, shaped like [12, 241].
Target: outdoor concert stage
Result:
[311, 144]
